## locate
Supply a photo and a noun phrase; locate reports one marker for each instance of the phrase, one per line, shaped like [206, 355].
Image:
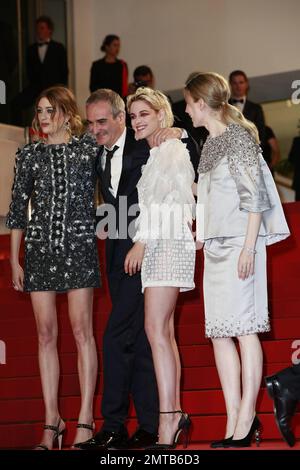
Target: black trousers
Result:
[290, 378]
[127, 360]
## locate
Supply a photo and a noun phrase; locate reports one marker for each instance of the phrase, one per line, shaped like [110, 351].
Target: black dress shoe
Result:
[284, 407]
[141, 439]
[105, 440]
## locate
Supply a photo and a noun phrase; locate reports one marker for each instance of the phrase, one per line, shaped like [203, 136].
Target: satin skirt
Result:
[234, 307]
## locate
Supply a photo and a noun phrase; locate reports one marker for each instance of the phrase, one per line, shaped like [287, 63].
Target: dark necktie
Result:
[107, 169]
[234, 101]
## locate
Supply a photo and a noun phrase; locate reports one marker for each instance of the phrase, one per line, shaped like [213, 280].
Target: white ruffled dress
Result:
[167, 208]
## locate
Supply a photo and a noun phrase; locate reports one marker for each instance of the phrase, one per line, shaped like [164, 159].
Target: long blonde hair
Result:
[156, 100]
[61, 99]
[215, 92]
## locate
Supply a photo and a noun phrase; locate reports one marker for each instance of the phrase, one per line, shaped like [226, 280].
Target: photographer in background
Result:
[142, 76]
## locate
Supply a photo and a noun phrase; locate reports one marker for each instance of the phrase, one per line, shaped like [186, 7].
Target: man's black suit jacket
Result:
[52, 71]
[254, 113]
[135, 155]
[294, 158]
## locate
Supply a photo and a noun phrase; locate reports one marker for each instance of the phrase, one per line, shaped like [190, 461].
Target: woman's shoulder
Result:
[86, 142]
[172, 145]
[240, 138]
[243, 148]
[29, 150]
[240, 134]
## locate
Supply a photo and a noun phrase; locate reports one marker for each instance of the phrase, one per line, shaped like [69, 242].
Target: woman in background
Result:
[110, 72]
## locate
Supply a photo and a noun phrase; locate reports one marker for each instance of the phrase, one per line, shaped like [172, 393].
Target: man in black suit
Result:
[284, 389]
[46, 66]
[239, 84]
[127, 359]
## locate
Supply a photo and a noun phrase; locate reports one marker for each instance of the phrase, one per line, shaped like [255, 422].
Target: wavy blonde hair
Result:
[215, 92]
[62, 100]
[156, 100]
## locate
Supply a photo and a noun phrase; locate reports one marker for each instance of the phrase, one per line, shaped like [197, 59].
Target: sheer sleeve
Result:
[21, 190]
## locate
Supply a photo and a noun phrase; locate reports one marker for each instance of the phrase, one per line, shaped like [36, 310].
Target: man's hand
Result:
[134, 258]
[161, 135]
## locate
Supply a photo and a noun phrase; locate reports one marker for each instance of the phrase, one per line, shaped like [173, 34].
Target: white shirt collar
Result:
[120, 142]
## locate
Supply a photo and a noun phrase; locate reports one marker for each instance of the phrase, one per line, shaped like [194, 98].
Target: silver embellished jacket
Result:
[234, 180]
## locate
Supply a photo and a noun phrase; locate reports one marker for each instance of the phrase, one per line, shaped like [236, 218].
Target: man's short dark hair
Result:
[141, 71]
[235, 73]
[47, 20]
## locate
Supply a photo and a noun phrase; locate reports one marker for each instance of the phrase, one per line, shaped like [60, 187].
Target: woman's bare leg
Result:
[80, 303]
[44, 308]
[229, 370]
[252, 364]
[177, 359]
[159, 310]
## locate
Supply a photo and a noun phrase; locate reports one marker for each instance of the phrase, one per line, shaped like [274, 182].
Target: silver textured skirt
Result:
[234, 307]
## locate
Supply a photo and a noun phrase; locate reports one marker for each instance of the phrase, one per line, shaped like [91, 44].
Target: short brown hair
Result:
[47, 20]
[111, 97]
[236, 73]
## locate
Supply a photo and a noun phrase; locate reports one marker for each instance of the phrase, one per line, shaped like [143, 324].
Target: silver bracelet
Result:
[249, 250]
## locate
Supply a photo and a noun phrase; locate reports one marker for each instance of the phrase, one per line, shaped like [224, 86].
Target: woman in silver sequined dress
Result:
[166, 253]
[58, 175]
[242, 214]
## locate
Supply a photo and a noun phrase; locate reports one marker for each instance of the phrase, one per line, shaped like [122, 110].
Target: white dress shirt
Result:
[42, 50]
[240, 106]
[116, 163]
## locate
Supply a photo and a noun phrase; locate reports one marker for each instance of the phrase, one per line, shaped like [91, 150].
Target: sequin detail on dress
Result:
[60, 243]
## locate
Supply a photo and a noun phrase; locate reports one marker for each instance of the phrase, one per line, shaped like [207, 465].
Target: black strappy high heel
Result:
[90, 427]
[57, 436]
[183, 429]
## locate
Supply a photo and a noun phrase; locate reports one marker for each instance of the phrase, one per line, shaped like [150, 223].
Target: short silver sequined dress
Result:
[166, 184]
[60, 243]
[233, 181]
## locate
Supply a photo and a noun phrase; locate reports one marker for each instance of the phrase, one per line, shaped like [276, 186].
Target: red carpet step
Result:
[21, 404]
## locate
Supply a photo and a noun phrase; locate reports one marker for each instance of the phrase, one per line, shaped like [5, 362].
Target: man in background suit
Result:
[294, 158]
[46, 66]
[239, 84]
[127, 359]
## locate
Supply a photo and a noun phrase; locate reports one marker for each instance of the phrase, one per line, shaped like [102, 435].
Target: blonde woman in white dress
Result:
[242, 214]
[164, 251]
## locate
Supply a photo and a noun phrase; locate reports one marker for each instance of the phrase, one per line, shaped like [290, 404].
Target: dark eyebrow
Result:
[47, 107]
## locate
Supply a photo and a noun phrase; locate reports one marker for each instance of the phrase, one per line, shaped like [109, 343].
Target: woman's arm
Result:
[246, 259]
[17, 271]
[134, 258]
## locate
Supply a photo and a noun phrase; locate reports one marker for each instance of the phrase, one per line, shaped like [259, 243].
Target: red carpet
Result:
[21, 405]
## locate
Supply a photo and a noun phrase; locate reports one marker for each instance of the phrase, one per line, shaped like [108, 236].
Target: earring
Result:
[67, 126]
